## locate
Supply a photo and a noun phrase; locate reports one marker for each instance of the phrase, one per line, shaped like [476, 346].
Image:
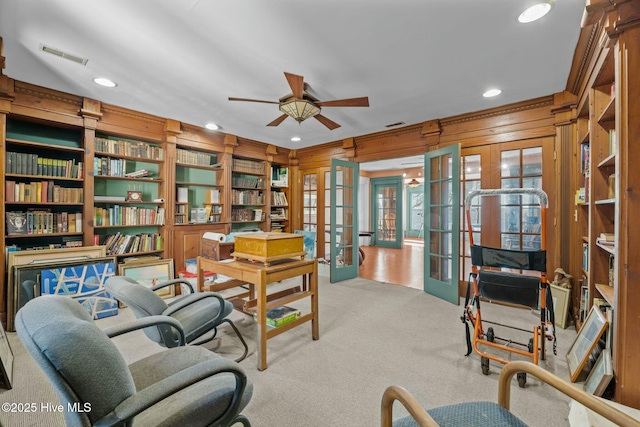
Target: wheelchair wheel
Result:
[522, 379]
[490, 335]
[484, 363]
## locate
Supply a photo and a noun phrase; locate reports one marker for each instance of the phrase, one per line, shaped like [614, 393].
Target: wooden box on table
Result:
[268, 247]
[215, 250]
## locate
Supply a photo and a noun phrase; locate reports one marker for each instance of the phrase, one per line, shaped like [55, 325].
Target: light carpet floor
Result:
[372, 335]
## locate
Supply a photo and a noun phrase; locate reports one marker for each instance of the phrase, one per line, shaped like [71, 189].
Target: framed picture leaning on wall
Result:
[151, 273]
[6, 361]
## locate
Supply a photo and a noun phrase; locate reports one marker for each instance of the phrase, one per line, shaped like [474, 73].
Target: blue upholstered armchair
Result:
[181, 386]
[490, 414]
[196, 313]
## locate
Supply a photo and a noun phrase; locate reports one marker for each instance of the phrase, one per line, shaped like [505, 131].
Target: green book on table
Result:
[282, 315]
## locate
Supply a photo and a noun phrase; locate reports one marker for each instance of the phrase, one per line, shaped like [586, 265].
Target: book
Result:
[282, 315]
[607, 237]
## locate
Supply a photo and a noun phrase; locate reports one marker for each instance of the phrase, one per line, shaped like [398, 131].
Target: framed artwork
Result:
[82, 280]
[600, 374]
[6, 361]
[150, 274]
[309, 242]
[586, 340]
[561, 297]
[44, 256]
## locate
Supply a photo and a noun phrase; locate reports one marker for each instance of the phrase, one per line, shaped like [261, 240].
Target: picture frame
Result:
[151, 273]
[17, 258]
[6, 361]
[561, 297]
[600, 375]
[586, 340]
[82, 280]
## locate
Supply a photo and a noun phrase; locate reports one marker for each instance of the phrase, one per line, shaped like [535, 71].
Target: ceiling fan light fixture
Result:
[413, 183]
[299, 109]
[534, 13]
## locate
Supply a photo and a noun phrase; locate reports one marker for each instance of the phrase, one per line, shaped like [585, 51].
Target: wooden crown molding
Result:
[499, 111]
[132, 114]
[40, 92]
[384, 134]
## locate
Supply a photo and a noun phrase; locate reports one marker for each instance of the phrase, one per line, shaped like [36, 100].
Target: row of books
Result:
[195, 158]
[41, 191]
[106, 166]
[32, 164]
[247, 197]
[129, 148]
[246, 215]
[278, 198]
[118, 244]
[43, 222]
[250, 166]
[237, 181]
[128, 215]
[278, 214]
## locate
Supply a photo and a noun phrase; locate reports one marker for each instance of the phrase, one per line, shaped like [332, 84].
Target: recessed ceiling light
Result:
[102, 81]
[212, 126]
[492, 92]
[534, 13]
[296, 139]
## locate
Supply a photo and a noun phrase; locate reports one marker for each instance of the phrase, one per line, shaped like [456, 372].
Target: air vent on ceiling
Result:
[65, 55]
[395, 124]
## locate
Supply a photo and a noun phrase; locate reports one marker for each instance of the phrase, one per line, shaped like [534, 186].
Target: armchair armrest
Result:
[588, 400]
[173, 282]
[134, 325]
[155, 393]
[419, 414]
[191, 299]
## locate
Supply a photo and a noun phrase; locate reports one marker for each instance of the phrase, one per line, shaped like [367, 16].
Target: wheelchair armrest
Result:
[146, 322]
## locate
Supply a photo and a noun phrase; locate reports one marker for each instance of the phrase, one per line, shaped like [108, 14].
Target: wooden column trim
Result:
[90, 113]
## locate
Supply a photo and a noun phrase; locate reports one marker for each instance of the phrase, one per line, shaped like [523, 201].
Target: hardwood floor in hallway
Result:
[397, 266]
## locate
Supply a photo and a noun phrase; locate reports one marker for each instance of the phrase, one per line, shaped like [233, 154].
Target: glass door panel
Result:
[442, 222]
[344, 218]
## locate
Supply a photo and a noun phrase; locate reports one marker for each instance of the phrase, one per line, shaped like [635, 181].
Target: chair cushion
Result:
[192, 406]
[468, 414]
[83, 358]
[198, 318]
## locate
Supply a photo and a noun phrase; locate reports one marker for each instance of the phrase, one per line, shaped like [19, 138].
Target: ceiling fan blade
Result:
[350, 102]
[296, 83]
[253, 100]
[279, 120]
[327, 122]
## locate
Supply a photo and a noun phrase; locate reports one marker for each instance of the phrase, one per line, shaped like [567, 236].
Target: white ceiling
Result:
[416, 60]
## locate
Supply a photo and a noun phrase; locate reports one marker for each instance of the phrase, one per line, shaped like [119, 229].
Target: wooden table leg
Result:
[200, 282]
[261, 307]
[313, 283]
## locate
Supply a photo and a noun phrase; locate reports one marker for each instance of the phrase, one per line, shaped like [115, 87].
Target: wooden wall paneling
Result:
[39, 103]
[627, 327]
[117, 121]
[200, 138]
[320, 156]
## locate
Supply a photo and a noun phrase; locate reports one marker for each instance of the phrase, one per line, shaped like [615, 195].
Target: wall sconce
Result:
[413, 183]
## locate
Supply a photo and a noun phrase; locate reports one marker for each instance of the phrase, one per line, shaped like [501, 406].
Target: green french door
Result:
[344, 220]
[386, 210]
[441, 222]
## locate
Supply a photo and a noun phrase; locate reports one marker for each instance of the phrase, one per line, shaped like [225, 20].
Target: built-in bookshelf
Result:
[199, 187]
[279, 200]
[43, 183]
[248, 194]
[128, 211]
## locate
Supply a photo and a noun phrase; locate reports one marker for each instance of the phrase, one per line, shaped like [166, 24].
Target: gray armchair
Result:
[177, 387]
[197, 313]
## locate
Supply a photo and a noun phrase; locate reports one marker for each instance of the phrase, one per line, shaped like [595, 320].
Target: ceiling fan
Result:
[300, 105]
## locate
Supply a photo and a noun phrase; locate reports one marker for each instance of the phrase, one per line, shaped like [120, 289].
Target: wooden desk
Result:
[260, 276]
